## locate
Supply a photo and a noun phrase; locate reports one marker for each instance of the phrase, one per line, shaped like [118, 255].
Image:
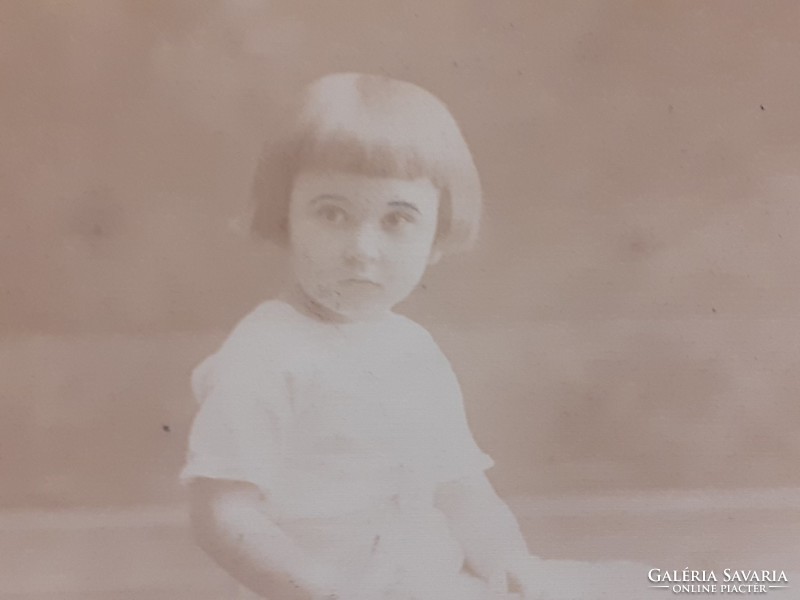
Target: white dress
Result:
[348, 429]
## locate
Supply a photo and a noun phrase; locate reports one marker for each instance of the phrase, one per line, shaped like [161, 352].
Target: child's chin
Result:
[360, 306]
[365, 315]
[361, 312]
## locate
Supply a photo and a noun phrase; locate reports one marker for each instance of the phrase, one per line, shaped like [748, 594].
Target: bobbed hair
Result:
[375, 126]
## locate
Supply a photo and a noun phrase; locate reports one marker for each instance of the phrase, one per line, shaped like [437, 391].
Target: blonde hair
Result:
[375, 126]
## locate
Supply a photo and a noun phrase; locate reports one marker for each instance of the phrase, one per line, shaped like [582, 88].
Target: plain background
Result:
[627, 322]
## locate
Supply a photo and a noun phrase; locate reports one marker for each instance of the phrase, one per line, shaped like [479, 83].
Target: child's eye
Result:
[332, 214]
[398, 219]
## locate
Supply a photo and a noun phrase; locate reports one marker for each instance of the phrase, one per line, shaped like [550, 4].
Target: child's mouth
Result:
[360, 281]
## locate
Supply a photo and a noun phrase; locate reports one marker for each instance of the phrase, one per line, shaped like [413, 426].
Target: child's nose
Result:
[364, 245]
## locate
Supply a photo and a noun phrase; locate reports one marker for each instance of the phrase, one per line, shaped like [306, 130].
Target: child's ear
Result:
[435, 256]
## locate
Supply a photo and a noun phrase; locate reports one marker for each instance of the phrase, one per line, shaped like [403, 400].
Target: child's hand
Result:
[320, 581]
[515, 578]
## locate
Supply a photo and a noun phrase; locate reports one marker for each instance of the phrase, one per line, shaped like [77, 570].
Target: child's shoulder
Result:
[255, 351]
[413, 329]
[419, 338]
[267, 332]
[269, 317]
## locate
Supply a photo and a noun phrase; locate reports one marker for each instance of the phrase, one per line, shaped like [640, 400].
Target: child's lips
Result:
[361, 281]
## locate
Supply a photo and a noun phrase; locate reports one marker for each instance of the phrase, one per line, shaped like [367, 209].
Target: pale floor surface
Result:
[147, 553]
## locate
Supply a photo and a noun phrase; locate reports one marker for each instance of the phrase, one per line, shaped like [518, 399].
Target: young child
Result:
[331, 456]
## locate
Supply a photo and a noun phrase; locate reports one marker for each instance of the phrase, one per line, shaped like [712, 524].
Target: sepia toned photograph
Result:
[411, 300]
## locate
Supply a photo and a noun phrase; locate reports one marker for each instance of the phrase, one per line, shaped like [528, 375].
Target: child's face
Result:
[361, 244]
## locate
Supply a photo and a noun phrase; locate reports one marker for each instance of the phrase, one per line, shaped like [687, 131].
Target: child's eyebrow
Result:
[323, 197]
[403, 204]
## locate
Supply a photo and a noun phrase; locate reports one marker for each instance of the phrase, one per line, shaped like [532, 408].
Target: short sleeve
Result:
[239, 429]
[452, 451]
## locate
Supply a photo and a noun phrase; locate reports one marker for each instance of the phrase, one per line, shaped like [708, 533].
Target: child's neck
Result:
[295, 296]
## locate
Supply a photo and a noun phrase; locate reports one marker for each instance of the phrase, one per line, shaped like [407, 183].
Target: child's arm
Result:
[231, 524]
[487, 530]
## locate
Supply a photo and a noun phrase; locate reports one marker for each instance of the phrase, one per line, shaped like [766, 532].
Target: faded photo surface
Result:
[446, 300]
